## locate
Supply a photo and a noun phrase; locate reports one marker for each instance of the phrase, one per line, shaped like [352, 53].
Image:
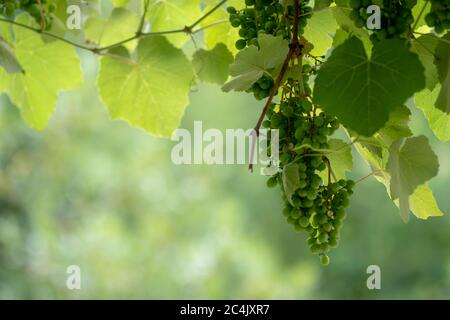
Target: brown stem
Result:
[367, 176]
[138, 35]
[294, 50]
[255, 132]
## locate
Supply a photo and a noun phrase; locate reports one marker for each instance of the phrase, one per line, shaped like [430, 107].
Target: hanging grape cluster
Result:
[269, 17]
[396, 17]
[439, 15]
[316, 207]
[38, 9]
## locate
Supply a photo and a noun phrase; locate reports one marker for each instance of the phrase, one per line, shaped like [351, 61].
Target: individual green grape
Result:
[240, 44]
[324, 260]
[272, 182]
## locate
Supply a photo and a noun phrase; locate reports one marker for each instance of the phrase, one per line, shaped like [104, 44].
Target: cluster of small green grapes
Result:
[439, 16]
[38, 9]
[316, 208]
[269, 17]
[396, 17]
[258, 16]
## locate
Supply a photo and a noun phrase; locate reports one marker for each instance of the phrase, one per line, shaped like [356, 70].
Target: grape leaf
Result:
[212, 65]
[340, 157]
[122, 24]
[7, 58]
[339, 37]
[222, 32]
[341, 14]
[438, 120]
[425, 47]
[251, 63]
[321, 4]
[57, 28]
[291, 180]
[88, 9]
[423, 204]
[441, 56]
[443, 99]
[362, 92]
[35, 92]
[397, 127]
[420, 10]
[120, 3]
[443, 64]
[320, 30]
[411, 163]
[173, 14]
[150, 93]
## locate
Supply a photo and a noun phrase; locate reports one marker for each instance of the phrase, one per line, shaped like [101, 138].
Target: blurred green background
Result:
[106, 197]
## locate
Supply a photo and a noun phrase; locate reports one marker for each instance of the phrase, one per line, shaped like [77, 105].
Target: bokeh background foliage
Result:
[102, 195]
[105, 196]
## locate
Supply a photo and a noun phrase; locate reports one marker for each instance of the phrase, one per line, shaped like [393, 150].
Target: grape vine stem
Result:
[367, 176]
[189, 29]
[295, 50]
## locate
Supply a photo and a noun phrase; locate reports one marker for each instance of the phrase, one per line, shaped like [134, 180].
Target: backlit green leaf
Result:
[362, 91]
[151, 92]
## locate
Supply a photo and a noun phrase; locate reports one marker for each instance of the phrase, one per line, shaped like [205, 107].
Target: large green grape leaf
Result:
[122, 24]
[222, 31]
[251, 63]
[438, 120]
[362, 92]
[411, 163]
[291, 180]
[340, 157]
[150, 93]
[173, 14]
[7, 58]
[425, 47]
[49, 69]
[320, 30]
[212, 65]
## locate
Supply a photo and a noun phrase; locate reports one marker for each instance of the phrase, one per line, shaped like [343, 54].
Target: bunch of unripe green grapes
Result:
[38, 9]
[396, 17]
[269, 17]
[316, 207]
[439, 16]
